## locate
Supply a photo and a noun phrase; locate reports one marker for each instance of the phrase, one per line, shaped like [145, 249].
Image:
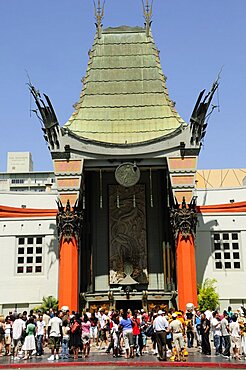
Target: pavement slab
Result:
[103, 360]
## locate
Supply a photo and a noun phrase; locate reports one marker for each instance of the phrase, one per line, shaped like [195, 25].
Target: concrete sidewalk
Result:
[100, 358]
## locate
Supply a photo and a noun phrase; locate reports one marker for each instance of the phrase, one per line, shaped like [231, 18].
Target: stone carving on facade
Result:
[69, 222]
[127, 235]
[184, 219]
[127, 174]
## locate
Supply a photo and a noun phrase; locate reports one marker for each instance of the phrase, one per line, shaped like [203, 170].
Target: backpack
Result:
[149, 331]
[75, 327]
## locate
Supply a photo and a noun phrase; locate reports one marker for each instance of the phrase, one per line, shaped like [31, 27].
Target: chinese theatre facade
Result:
[125, 165]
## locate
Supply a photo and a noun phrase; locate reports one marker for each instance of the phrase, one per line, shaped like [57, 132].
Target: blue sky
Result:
[51, 38]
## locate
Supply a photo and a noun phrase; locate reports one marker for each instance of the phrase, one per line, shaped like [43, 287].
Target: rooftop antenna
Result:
[99, 14]
[148, 11]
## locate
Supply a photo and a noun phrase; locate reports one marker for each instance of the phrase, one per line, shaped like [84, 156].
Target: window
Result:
[30, 255]
[226, 250]
[17, 181]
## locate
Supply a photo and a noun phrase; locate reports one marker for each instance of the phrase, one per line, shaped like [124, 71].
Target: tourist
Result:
[160, 326]
[197, 327]
[143, 327]
[102, 323]
[65, 340]
[7, 335]
[40, 334]
[29, 343]
[18, 328]
[75, 335]
[55, 336]
[243, 335]
[126, 326]
[235, 337]
[216, 330]
[137, 339]
[2, 333]
[93, 330]
[176, 328]
[86, 327]
[115, 336]
[225, 332]
[230, 313]
[205, 329]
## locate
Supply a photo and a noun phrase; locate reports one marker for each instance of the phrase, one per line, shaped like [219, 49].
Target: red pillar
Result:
[186, 271]
[68, 274]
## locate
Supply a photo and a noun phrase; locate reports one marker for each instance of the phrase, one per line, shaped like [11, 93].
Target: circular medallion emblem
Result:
[127, 174]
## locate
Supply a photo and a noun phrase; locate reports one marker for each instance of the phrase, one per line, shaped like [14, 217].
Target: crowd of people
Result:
[123, 333]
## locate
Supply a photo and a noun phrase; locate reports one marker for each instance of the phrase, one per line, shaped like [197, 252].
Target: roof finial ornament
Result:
[99, 14]
[148, 11]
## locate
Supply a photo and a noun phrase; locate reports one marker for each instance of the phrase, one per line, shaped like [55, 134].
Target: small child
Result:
[65, 340]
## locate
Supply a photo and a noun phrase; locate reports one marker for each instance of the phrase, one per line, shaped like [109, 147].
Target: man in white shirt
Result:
[18, 328]
[40, 334]
[102, 320]
[216, 329]
[225, 332]
[55, 336]
[160, 326]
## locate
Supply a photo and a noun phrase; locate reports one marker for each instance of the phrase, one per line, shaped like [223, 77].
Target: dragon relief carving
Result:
[184, 219]
[69, 221]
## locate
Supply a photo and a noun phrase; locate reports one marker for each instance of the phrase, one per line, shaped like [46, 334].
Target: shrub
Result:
[208, 298]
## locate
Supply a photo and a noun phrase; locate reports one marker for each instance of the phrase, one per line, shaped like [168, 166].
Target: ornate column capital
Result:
[184, 219]
[69, 221]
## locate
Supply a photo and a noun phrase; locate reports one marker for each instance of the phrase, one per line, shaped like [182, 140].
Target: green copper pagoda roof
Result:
[124, 99]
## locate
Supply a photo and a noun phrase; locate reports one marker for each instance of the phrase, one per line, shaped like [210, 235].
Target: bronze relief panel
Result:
[127, 235]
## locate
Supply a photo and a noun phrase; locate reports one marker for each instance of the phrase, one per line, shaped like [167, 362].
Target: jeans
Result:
[40, 350]
[227, 345]
[65, 351]
[217, 344]
[190, 338]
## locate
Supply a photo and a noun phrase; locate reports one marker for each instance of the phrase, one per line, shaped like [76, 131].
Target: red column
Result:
[68, 275]
[186, 271]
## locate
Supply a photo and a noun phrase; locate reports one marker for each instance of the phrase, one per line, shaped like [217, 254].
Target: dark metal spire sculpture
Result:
[148, 11]
[200, 114]
[48, 118]
[99, 14]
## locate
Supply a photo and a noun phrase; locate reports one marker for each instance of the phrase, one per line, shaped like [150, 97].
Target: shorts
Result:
[128, 339]
[102, 335]
[54, 343]
[93, 331]
[7, 339]
[86, 338]
[235, 342]
[178, 341]
[17, 343]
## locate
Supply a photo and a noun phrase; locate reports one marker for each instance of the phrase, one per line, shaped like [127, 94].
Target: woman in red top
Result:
[136, 333]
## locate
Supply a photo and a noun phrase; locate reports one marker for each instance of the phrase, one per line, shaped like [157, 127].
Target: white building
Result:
[21, 177]
[30, 255]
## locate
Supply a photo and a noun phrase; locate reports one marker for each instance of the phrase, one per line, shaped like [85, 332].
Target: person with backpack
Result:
[75, 335]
